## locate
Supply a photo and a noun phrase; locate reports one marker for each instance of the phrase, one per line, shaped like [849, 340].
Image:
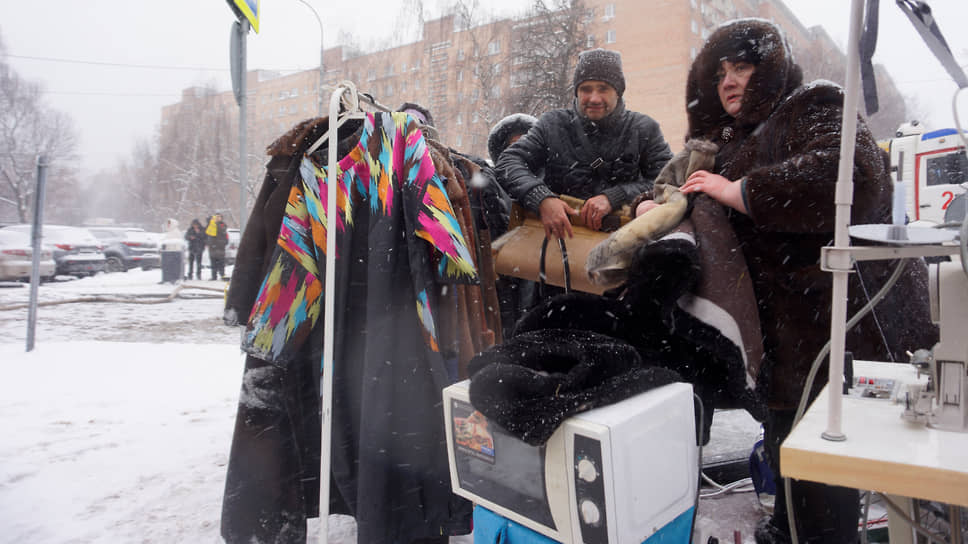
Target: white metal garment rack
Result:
[346, 93]
[353, 111]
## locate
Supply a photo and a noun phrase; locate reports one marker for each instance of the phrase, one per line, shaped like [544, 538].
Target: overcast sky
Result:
[100, 61]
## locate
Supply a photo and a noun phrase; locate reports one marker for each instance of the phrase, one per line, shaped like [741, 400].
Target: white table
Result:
[882, 452]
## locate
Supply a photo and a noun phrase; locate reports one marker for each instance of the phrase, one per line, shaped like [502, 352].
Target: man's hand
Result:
[554, 215]
[594, 211]
[645, 206]
[719, 188]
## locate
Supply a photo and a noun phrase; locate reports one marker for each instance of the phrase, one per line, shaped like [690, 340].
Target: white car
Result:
[76, 251]
[16, 257]
[231, 250]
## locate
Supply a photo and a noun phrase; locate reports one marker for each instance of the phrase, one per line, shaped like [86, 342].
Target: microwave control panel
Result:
[590, 490]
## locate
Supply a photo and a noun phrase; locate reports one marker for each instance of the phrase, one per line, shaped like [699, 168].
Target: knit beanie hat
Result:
[600, 65]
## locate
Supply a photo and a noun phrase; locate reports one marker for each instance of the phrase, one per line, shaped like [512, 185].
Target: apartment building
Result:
[464, 75]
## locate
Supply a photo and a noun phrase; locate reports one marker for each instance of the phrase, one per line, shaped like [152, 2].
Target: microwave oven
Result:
[625, 473]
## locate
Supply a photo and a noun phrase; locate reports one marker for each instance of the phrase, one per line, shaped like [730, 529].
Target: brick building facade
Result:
[443, 71]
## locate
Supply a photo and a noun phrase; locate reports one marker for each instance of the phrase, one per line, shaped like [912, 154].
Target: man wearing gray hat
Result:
[596, 150]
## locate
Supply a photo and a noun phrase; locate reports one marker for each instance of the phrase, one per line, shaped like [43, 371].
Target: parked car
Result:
[127, 247]
[231, 250]
[16, 257]
[76, 251]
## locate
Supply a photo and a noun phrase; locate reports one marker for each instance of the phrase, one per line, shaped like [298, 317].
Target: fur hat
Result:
[497, 139]
[532, 383]
[752, 40]
[600, 65]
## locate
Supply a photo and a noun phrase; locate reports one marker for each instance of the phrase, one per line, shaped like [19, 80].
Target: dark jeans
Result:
[218, 267]
[824, 513]
[195, 263]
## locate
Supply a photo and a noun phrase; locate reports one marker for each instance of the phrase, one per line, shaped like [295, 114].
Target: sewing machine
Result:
[942, 402]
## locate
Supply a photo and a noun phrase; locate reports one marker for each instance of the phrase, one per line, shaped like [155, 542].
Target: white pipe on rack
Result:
[329, 302]
[843, 197]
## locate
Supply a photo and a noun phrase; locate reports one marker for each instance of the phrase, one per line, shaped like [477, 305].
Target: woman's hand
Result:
[645, 206]
[717, 187]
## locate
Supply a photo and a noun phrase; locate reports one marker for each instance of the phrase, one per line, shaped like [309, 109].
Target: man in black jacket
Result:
[596, 150]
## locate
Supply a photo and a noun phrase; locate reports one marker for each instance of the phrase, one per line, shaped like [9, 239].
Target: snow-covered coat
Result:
[785, 143]
[388, 458]
[618, 156]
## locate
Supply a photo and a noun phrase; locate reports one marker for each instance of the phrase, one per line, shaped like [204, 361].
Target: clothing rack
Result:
[345, 90]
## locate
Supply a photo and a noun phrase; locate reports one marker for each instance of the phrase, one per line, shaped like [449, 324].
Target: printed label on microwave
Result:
[471, 434]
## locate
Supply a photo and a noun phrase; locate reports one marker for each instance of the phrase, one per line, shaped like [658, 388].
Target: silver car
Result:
[76, 251]
[16, 257]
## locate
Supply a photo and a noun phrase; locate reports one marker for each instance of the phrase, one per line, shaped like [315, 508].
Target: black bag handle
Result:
[542, 276]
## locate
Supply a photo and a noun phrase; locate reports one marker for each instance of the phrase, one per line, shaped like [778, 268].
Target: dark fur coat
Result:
[785, 142]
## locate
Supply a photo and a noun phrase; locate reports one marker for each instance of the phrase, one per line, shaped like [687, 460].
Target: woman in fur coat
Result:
[776, 171]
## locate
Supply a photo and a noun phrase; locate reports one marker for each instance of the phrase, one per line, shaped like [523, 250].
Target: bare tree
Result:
[124, 193]
[197, 160]
[546, 47]
[28, 129]
[484, 68]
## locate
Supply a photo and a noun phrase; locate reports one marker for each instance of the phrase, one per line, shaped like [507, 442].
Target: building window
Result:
[460, 140]
[496, 92]
[590, 42]
[403, 68]
[494, 48]
[692, 53]
[693, 2]
[389, 71]
[370, 74]
[609, 12]
[389, 91]
[460, 119]
[460, 75]
[294, 93]
[460, 54]
[695, 27]
[610, 36]
[403, 87]
[497, 69]
[475, 118]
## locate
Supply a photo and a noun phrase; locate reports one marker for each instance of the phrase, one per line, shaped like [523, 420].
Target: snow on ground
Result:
[116, 427]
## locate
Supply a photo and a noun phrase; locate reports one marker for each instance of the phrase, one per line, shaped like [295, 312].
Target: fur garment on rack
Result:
[687, 306]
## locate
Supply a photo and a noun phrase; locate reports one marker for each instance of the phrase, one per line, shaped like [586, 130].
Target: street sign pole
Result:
[240, 29]
[243, 102]
[36, 248]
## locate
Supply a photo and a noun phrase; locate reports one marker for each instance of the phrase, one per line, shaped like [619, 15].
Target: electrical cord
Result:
[699, 439]
[815, 367]
[744, 485]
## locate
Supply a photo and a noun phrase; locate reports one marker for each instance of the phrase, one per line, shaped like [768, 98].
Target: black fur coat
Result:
[785, 143]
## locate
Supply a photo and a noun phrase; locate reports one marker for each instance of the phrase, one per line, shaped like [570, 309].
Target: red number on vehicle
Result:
[949, 196]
